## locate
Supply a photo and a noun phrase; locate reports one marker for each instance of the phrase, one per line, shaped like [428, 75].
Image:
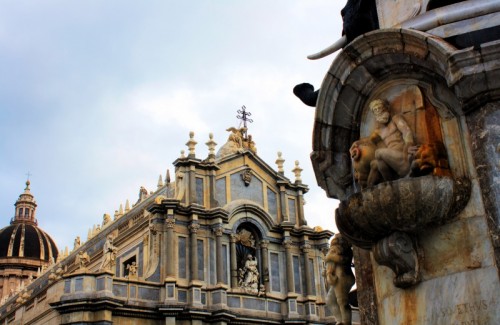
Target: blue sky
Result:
[97, 98]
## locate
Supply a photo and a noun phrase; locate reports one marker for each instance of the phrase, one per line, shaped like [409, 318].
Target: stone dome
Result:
[23, 239]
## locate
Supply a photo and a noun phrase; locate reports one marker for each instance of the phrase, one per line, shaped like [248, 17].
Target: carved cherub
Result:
[339, 278]
[132, 270]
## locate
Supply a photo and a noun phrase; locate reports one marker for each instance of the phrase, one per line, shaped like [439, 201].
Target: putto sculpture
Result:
[340, 279]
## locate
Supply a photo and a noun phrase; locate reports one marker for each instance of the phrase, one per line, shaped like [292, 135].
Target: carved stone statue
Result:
[249, 275]
[108, 255]
[429, 158]
[236, 136]
[237, 142]
[250, 144]
[57, 274]
[245, 238]
[392, 161]
[132, 270]
[82, 259]
[339, 278]
[77, 242]
[143, 194]
[106, 219]
[362, 154]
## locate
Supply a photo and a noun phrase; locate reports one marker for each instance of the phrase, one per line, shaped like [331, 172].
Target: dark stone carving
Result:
[246, 176]
[305, 92]
[360, 17]
[399, 252]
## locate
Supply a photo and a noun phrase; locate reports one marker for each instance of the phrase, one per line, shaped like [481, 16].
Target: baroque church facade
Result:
[225, 243]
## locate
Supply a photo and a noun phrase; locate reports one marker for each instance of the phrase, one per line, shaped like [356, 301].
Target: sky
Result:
[97, 98]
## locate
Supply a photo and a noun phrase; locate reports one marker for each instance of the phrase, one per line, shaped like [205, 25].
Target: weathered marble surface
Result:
[469, 297]
[485, 136]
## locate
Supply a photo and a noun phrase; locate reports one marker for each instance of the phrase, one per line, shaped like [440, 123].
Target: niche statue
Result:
[386, 154]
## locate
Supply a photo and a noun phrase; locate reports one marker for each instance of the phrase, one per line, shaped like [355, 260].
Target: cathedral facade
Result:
[225, 243]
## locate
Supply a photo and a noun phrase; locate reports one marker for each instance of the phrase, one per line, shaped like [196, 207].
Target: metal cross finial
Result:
[244, 117]
[28, 174]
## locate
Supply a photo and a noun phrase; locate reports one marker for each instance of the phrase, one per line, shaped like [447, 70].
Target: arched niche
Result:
[247, 260]
[383, 64]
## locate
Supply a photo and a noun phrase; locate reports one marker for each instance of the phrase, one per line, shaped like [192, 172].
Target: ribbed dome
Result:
[28, 241]
[23, 238]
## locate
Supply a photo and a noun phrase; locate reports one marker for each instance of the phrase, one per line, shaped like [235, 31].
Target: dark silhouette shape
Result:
[305, 92]
[360, 17]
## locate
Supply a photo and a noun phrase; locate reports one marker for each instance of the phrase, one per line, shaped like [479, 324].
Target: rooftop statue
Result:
[108, 255]
[237, 142]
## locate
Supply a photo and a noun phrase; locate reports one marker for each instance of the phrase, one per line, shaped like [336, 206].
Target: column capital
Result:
[218, 230]
[287, 243]
[264, 244]
[170, 222]
[193, 227]
[306, 248]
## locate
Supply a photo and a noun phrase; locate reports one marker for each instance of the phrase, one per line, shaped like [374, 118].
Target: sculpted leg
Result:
[374, 177]
[391, 164]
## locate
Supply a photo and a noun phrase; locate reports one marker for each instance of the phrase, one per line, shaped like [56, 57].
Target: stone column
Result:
[193, 228]
[306, 248]
[283, 204]
[300, 210]
[264, 244]
[170, 222]
[218, 256]
[289, 265]
[192, 185]
[234, 262]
